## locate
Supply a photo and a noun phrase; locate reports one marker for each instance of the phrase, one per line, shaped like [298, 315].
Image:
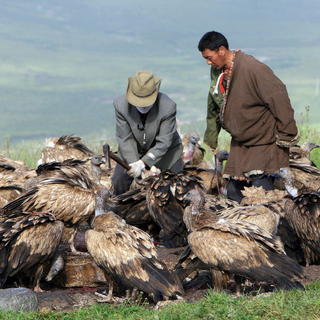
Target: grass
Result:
[282, 305]
[29, 151]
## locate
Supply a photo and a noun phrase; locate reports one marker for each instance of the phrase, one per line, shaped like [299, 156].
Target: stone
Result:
[18, 299]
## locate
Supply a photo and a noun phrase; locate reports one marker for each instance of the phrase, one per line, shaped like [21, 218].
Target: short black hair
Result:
[212, 40]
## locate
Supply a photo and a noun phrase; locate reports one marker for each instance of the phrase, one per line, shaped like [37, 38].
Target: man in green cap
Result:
[146, 131]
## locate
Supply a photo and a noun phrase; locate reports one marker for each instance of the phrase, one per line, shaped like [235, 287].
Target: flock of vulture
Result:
[264, 239]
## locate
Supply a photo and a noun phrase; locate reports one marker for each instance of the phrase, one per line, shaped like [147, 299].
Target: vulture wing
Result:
[129, 254]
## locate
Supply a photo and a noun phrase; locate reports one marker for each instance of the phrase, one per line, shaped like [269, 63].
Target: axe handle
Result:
[118, 160]
[109, 154]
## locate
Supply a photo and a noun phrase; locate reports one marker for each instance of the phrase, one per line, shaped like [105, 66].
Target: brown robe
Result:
[257, 114]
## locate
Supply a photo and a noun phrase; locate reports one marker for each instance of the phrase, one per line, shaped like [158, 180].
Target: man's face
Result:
[214, 57]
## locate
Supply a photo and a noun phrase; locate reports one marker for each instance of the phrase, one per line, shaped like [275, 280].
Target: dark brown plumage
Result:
[129, 254]
[27, 245]
[71, 147]
[238, 247]
[165, 194]
[132, 207]
[306, 178]
[210, 178]
[90, 168]
[303, 216]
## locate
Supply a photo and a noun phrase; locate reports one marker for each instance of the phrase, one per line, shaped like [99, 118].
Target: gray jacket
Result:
[155, 143]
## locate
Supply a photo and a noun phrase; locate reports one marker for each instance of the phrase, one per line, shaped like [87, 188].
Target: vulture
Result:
[90, 167]
[299, 220]
[14, 173]
[71, 147]
[193, 153]
[28, 243]
[302, 174]
[164, 196]
[132, 207]
[303, 216]
[128, 255]
[256, 210]
[69, 196]
[9, 193]
[301, 154]
[63, 148]
[211, 178]
[237, 247]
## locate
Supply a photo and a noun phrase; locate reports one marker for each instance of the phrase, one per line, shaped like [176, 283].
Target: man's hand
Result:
[136, 168]
[154, 171]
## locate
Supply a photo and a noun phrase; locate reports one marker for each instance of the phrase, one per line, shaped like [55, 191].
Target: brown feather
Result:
[130, 255]
[29, 244]
[238, 247]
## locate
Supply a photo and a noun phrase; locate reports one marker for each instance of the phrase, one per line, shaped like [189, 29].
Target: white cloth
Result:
[136, 168]
[216, 88]
[144, 109]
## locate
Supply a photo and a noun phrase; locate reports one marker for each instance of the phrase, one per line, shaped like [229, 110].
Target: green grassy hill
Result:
[63, 62]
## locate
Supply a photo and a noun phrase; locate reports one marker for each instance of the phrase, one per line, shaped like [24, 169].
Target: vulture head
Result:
[192, 151]
[288, 178]
[301, 154]
[309, 146]
[219, 157]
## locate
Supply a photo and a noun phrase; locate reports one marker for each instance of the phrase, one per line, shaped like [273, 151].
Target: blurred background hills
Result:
[63, 62]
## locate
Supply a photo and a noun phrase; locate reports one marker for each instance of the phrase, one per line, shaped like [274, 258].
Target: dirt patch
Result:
[73, 298]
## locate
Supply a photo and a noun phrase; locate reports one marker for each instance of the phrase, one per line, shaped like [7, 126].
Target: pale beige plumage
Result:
[8, 194]
[301, 154]
[14, 173]
[63, 148]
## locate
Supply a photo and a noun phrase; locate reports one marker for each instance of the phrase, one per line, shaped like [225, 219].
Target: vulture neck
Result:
[96, 173]
[192, 212]
[101, 197]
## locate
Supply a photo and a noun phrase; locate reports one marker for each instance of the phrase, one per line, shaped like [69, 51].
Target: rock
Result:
[18, 299]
